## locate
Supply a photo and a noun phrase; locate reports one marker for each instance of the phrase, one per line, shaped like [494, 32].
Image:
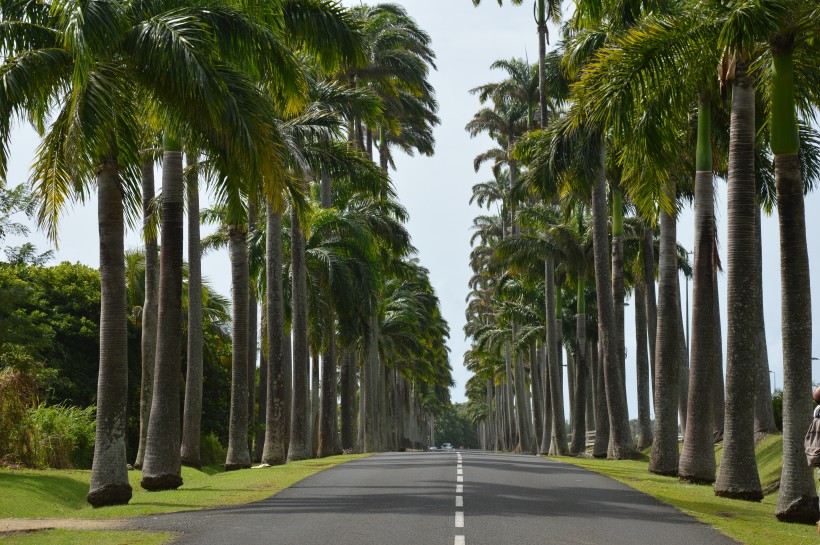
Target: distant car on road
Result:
[446, 446]
[433, 447]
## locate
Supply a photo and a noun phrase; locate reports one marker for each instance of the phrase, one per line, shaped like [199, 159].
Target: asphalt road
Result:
[438, 498]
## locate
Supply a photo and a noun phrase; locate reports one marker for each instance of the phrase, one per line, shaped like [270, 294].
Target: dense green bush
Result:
[64, 435]
[211, 450]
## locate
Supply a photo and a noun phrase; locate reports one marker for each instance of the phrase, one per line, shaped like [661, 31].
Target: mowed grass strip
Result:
[747, 522]
[61, 493]
[83, 537]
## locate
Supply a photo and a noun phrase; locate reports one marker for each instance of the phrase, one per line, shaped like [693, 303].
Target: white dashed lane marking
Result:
[459, 540]
[459, 519]
[459, 501]
[459, 489]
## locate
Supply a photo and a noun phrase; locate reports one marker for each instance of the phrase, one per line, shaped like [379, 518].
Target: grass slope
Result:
[749, 523]
[55, 493]
[79, 537]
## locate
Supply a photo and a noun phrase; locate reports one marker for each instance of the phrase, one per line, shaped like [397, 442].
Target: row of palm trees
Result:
[634, 123]
[278, 107]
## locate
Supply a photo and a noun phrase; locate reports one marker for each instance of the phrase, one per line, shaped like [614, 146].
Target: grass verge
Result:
[61, 493]
[747, 522]
[80, 537]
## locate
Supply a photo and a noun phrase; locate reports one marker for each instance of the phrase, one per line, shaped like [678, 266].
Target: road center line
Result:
[459, 540]
[459, 501]
[460, 479]
[459, 519]
[459, 471]
[459, 489]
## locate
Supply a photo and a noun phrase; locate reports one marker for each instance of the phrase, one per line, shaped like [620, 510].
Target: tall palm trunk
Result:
[109, 476]
[618, 290]
[642, 368]
[275, 450]
[797, 501]
[664, 460]
[522, 416]
[161, 468]
[262, 389]
[764, 413]
[192, 414]
[718, 390]
[683, 365]
[299, 424]
[512, 435]
[287, 353]
[601, 444]
[738, 476]
[592, 358]
[346, 378]
[149, 308]
[559, 431]
[314, 404]
[238, 451]
[327, 418]
[697, 460]
[621, 445]
[648, 250]
[252, 339]
[536, 389]
[579, 400]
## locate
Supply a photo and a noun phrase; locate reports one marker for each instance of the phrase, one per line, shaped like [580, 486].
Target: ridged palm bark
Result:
[621, 445]
[522, 423]
[664, 459]
[252, 339]
[592, 356]
[697, 460]
[511, 420]
[683, 365]
[238, 456]
[536, 390]
[738, 477]
[618, 289]
[642, 368]
[579, 400]
[648, 247]
[718, 388]
[764, 412]
[192, 413]
[109, 476]
[287, 354]
[162, 468]
[797, 500]
[314, 403]
[149, 308]
[559, 431]
[327, 417]
[275, 450]
[262, 387]
[299, 447]
[347, 401]
[601, 443]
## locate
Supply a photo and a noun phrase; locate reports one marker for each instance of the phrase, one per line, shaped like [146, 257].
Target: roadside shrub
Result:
[18, 391]
[211, 450]
[64, 435]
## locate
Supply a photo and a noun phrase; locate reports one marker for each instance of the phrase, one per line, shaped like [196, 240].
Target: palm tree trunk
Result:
[327, 419]
[642, 368]
[683, 366]
[618, 290]
[579, 400]
[559, 432]
[697, 460]
[262, 389]
[512, 438]
[591, 359]
[109, 475]
[314, 404]
[718, 390]
[252, 339]
[299, 424]
[192, 415]
[764, 413]
[161, 468]
[738, 477]
[536, 388]
[648, 247]
[149, 309]
[287, 353]
[599, 448]
[621, 445]
[797, 500]
[347, 400]
[664, 459]
[238, 454]
[276, 414]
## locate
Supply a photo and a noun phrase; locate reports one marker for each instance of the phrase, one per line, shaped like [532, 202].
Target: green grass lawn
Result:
[749, 523]
[80, 537]
[61, 494]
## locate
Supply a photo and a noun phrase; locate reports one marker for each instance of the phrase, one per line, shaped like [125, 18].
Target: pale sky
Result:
[436, 190]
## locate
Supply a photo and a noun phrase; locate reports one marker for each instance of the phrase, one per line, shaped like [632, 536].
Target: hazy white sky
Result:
[436, 190]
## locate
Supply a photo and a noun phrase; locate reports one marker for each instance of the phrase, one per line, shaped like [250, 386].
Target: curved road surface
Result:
[446, 498]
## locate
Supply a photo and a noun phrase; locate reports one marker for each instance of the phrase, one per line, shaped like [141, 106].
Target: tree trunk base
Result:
[236, 467]
[664, 472]
[137, 466]
[803, 511]
[745, 495]
[166, 481]
[694, 479]
[110, 494]
[196, 464]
